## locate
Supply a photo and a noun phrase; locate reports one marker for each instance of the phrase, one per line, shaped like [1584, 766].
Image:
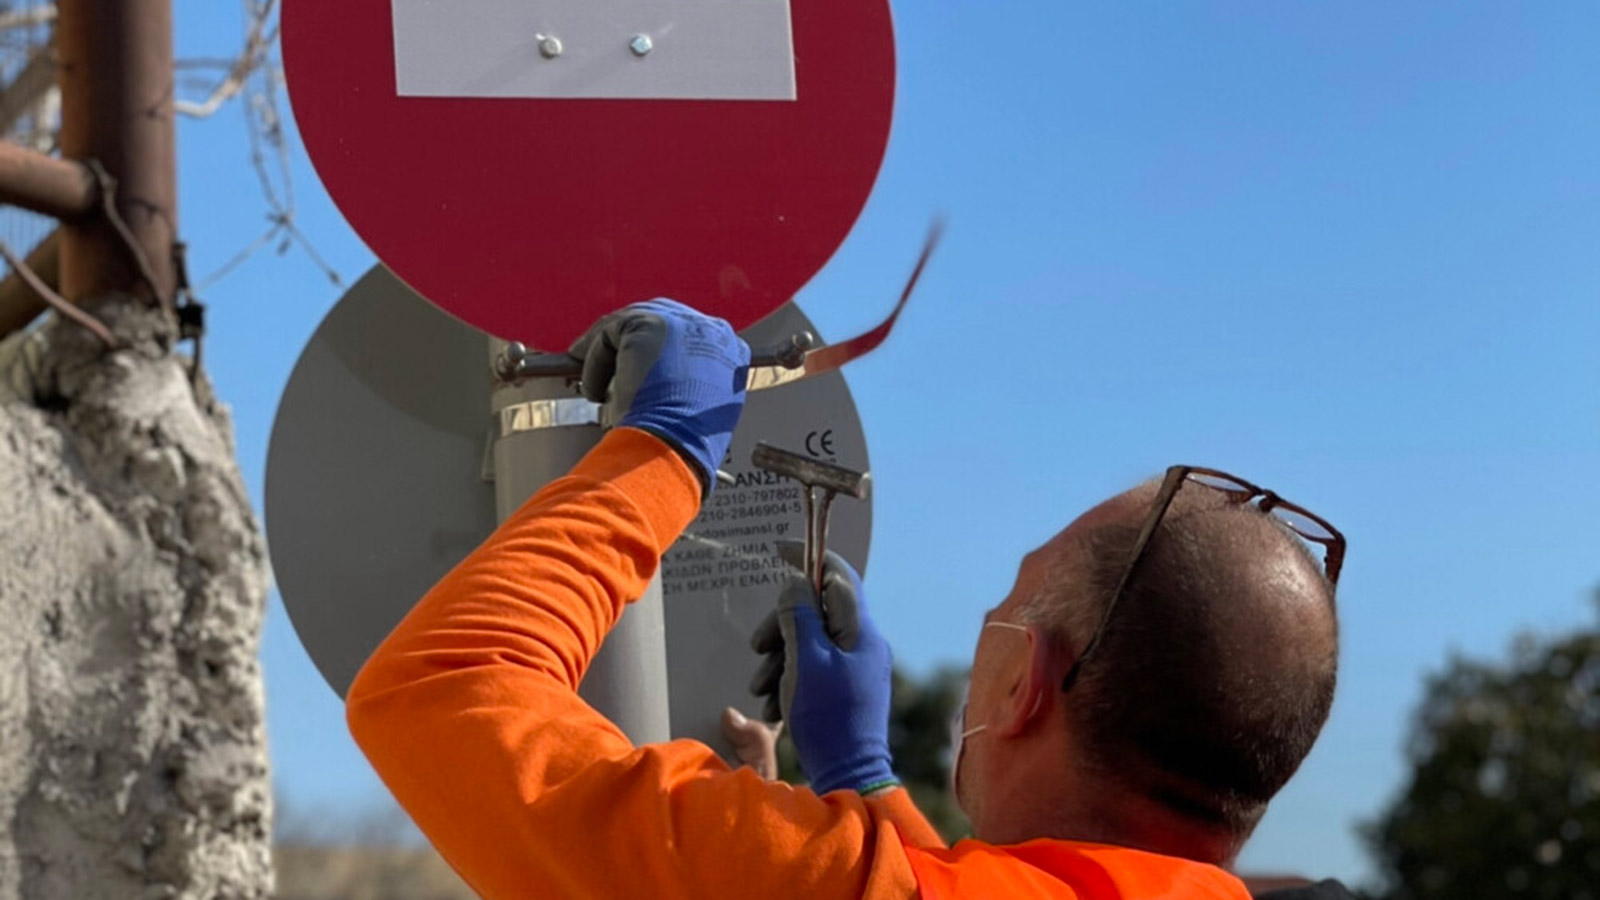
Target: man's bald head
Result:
[1216, 670]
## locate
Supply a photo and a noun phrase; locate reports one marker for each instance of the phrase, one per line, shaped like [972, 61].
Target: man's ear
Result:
[1029, 693]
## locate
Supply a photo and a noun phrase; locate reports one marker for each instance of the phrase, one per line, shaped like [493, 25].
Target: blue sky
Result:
[1350, 251]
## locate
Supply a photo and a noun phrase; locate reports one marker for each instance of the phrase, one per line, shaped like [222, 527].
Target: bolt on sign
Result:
[528, 165]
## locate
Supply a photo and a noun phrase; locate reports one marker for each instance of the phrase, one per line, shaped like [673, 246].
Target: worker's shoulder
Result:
[1068, 870]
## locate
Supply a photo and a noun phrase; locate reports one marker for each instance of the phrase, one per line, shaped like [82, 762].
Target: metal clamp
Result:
[517, 363]
[796, 358]
[536, 415]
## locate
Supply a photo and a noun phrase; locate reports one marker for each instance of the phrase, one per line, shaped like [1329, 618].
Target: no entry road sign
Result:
[530, 164]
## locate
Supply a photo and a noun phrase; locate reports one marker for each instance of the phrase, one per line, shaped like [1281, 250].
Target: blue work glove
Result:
[827, 674]
[669, 370]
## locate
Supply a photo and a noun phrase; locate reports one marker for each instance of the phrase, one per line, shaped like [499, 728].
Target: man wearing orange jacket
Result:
[1159, 671]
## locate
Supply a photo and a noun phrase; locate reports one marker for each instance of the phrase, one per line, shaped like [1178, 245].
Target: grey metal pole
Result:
[542, 428]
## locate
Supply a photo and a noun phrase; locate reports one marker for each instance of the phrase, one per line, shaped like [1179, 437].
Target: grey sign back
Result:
[376, 485]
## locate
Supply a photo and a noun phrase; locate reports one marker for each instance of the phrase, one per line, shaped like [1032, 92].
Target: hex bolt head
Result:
[549, 46]
[641, 45]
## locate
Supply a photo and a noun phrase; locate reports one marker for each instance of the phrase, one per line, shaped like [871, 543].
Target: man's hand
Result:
[754, 743]
[827, 676]
[669, 370]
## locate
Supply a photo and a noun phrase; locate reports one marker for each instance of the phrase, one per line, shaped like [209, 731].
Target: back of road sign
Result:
[378, 484]
[528, 165]
[375, 484]
[723, 575]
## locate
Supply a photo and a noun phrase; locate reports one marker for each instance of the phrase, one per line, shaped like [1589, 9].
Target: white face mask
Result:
[959, 732]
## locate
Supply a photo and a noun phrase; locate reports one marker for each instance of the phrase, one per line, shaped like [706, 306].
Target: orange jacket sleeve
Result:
[469, 713]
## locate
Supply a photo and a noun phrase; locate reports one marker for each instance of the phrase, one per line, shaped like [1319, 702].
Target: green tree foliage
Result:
[919, 738]
[1504, 797]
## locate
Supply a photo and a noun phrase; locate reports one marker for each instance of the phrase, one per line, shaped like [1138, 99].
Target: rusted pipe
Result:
[20, 304]
[31, 278]
[44, 184]
[117, 88]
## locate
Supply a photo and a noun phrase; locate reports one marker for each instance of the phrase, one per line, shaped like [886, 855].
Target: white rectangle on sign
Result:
[616, 49]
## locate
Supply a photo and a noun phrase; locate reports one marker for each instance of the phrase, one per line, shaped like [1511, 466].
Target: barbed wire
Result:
[30, 109]
[261, 34]
[253, 77]
[257, 74]
[30, 115]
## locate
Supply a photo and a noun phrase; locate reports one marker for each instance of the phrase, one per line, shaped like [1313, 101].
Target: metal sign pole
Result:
[543, 427]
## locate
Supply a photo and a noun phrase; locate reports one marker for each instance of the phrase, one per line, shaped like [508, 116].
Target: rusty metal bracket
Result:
[62, 188]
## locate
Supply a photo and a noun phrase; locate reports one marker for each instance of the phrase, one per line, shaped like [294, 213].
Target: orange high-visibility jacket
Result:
[469, 712]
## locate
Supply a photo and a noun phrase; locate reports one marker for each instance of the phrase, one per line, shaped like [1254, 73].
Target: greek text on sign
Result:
[724, 575]
[611, 49]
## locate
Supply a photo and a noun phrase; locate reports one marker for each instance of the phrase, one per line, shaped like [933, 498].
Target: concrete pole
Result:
[535, 443]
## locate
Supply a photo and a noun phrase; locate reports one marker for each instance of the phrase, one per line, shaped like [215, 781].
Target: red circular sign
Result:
[529, 218]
